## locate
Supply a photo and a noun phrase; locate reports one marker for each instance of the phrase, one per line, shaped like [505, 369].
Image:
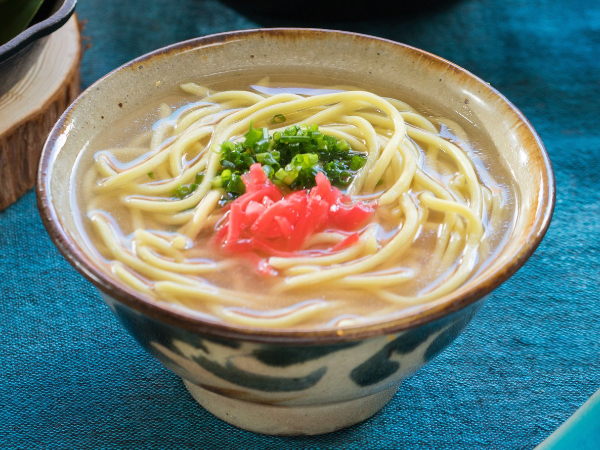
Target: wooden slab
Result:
[31, 108]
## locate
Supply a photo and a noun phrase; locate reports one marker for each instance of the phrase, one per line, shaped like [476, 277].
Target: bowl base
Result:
[290, 420]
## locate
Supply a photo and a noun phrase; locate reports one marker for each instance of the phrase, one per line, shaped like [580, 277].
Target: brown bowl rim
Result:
[181, 318]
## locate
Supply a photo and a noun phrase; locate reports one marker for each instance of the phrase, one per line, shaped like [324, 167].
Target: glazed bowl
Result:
[299, 381]
[21, 52]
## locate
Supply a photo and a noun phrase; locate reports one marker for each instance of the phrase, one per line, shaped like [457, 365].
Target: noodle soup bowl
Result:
[292, 381]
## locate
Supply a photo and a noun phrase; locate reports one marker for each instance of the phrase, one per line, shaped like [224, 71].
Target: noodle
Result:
[430, 201]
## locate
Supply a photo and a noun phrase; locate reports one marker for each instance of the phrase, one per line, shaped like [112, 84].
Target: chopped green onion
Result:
[252, 136]
[225, 177]
[281, 174]
[236, 185]
[269, 171]
[278, 118]
[151, 175]
[343, 145]
[182, 191]
[294, 139]
[292, 157]
[357, 162]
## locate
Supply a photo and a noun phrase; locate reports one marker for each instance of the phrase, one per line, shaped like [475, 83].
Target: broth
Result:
[247, 294]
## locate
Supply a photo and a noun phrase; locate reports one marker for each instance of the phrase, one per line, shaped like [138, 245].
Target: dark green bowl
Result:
[19, 54]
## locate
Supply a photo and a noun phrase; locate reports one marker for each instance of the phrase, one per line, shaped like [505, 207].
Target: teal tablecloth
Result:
[71, 377]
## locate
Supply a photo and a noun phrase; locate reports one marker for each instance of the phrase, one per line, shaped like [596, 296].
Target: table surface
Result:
[71, 377]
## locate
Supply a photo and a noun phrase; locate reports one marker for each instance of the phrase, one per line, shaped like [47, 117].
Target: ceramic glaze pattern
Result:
[293, 376]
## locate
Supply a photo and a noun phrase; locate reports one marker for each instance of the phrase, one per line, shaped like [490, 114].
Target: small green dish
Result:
[580, 431]
[19, 54]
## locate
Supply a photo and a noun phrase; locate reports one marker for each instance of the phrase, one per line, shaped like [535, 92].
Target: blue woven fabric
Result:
[71, 377]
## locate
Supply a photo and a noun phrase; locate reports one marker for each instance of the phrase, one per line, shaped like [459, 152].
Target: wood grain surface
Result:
[31, 108]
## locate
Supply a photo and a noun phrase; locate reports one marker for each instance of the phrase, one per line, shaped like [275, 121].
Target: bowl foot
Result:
[289, 420]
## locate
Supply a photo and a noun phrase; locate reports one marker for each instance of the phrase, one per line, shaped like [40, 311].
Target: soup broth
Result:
[420, 239]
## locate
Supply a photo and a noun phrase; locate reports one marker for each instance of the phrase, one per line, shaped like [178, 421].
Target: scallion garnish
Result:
[182, 191]
[278, 118]
[292, 157]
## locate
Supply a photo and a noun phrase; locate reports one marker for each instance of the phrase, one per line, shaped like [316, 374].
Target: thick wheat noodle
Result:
[211, 167]
[464, 165]
[404, 181]
[127, 176]
[246, 96]
[328, 260]
[278, 319]
[340, 134]
[203, 211]
[303, 103]
[450, 284]
[105, 231]
[195, 116]
[370, 136]
[125, 275]
[158, 188]
[396, 246]
[194, 89]
[409, 117]
[375, 280]
[390, 132]
[301, 270]
[103, 165]
[137, 219]
[332, 113]
[161, 173]
[174, 219]
[177, 149]
[158, 243]
[325, 238]
[457, 130]
[146, 255]
[396, 165]
[443, 236]
[199, 292]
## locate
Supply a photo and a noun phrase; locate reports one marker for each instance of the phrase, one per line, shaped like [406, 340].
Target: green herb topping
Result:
[290, 158]
[182, 192]
[278, 118]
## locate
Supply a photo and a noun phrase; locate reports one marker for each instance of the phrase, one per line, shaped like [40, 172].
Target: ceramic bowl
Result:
[299, 381]
[19, 54]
